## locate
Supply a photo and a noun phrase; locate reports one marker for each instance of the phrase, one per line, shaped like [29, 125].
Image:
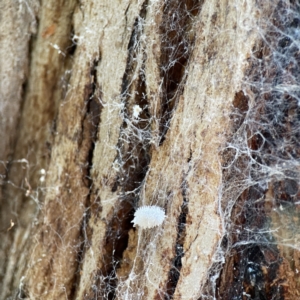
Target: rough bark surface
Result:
[80, 159]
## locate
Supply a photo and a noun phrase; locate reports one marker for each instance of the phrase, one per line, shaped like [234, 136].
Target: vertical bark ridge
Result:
[127, 170]
[131, 162]
[32, 150]
[90, 124]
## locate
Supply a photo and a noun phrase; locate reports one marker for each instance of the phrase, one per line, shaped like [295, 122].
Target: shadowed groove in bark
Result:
[252, 268]
[92, 118]
[177, 41]
[90, 126]
[70, 50]
[174, 272]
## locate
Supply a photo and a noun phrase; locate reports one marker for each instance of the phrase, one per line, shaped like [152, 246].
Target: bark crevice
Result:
[177, 43]
[174, 272]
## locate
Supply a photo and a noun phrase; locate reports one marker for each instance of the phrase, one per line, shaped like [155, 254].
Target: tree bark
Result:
[108, 106]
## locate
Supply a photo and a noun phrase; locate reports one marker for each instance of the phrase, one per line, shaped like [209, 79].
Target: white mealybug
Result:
[149, 216]
[136, 111]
